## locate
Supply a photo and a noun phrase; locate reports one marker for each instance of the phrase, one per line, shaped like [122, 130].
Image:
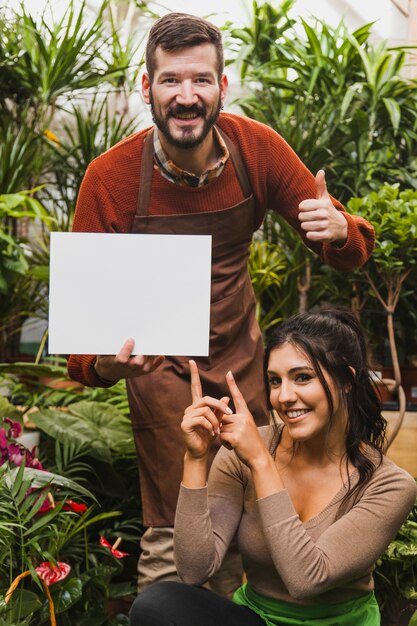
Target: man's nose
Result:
[186, 94]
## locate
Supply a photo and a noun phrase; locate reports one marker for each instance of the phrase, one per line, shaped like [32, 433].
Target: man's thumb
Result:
[321, 188]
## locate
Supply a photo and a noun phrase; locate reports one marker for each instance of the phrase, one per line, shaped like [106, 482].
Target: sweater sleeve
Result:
[207, 519]
[348, 547]
[289, 183]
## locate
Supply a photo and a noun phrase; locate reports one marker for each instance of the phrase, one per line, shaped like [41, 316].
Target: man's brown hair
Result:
[176, 31]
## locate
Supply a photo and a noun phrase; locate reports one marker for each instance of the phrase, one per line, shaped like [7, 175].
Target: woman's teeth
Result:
[298, 413]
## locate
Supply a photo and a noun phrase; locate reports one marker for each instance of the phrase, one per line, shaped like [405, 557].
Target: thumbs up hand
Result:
[319, 217]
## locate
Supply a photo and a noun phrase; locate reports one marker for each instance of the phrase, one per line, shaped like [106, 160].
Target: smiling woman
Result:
[313, 501]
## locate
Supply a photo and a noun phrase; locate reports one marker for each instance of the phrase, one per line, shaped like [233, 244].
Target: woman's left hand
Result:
[239, 431]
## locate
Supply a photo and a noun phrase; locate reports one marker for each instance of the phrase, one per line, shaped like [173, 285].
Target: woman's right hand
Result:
[202, 420]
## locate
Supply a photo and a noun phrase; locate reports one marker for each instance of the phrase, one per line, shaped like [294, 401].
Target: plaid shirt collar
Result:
[181, 177]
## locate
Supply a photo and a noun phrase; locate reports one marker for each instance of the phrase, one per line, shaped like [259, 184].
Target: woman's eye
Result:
[274, 381]
[303, 378]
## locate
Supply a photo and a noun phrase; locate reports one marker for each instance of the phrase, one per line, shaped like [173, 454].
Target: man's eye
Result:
[202, 80]
[170, 80]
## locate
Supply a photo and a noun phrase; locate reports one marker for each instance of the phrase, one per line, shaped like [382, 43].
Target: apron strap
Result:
[238, 163]
[145, 181]
[146, 171]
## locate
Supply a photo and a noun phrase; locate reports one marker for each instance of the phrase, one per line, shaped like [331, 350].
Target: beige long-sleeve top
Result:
[329, 558]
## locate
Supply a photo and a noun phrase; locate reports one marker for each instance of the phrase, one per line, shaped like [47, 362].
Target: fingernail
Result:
[229, 411]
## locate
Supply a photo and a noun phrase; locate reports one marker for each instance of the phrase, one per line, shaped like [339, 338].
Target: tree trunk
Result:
[397, 377]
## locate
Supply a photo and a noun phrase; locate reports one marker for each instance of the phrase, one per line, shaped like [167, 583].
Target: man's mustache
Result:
[179, 109]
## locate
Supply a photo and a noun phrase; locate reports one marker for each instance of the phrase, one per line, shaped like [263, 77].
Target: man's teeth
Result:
[186, 116]
[292, 414]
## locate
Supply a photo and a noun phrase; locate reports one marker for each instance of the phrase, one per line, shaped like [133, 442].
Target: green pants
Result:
[363, 611]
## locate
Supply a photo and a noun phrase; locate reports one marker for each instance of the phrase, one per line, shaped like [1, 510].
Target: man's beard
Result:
[188, 139]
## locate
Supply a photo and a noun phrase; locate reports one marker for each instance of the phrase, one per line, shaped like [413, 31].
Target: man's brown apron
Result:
[157, 401]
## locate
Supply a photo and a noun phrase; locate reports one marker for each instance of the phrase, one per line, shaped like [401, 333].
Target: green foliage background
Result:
[341, 101]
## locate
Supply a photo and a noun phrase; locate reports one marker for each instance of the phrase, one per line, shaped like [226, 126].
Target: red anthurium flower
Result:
[113, 549]
[76, 507]
[51, 573]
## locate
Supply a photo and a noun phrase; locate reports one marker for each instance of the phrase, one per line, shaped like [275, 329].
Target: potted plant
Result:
[395, 576]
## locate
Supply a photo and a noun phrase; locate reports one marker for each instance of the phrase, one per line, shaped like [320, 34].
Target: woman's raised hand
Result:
[239, 431]
[202, 420]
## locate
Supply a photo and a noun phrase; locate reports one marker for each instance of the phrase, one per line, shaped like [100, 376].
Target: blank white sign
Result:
[107, 287]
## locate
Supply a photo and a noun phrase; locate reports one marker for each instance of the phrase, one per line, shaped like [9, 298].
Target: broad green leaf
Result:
[111, 426]
[23, 603]
[67, 594]
[63, 425]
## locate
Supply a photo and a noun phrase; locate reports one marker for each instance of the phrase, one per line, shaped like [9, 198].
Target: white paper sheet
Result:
[107, 287]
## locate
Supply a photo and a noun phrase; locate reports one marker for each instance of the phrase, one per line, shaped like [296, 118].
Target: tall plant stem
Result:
[394, 285]
[397, 376]
[41, 347]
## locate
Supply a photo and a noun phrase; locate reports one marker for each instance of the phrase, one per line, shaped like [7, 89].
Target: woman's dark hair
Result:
[176, 31]
[333, 340]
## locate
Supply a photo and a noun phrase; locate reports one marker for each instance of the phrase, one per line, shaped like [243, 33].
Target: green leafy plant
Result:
[15, 259]
[46, 384]
[396, 575]
[340, 101]
[85, 133]
[48, 544]
[58, 58]
[344, 104]
[393, 214]
[267, 268]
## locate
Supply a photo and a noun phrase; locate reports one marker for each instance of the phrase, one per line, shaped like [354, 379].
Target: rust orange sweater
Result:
[280, 181]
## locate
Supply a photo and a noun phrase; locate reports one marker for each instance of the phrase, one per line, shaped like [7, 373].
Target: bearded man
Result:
[199, 171]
